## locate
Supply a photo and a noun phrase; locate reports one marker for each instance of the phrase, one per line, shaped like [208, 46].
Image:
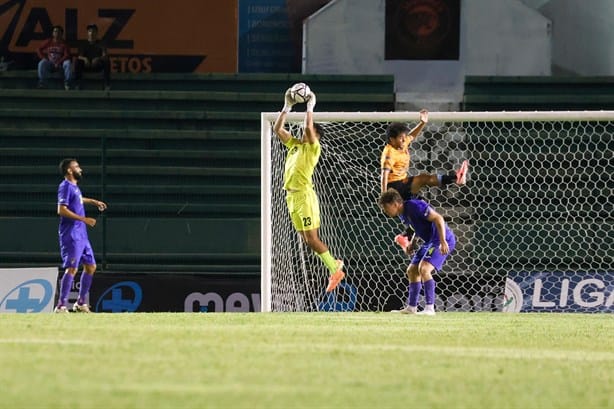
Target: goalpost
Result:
[537, 200]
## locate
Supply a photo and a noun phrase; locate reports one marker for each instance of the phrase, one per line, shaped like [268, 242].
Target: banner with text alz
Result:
[27, 289]
[174, 292]
[559, 292]
[141, 35]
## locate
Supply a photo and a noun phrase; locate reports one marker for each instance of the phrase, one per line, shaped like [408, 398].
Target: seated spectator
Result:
[93, 57]
[55, 56]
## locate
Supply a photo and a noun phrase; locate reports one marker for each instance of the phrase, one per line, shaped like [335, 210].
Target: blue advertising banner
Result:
[265, 44]
[559, 292]
[27, 290]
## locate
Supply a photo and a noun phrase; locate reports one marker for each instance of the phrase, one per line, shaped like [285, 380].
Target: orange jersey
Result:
[396, 161]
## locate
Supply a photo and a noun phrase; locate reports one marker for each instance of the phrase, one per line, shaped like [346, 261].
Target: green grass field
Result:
[316, 360]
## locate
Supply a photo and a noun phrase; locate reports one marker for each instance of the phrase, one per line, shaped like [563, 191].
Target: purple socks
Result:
[65, 286]
[84, 288]
[429, 292]
[414, 292]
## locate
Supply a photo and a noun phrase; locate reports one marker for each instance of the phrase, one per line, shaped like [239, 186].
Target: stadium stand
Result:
[487, 93]
[176, 157]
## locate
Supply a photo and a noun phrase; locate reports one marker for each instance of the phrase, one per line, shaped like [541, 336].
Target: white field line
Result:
[45, 341]
[474, 352]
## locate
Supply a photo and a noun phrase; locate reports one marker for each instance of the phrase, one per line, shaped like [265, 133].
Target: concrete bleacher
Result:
[498, 93]
[175, 156]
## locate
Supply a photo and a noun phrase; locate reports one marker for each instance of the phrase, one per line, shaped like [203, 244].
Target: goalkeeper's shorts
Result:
[304, 209]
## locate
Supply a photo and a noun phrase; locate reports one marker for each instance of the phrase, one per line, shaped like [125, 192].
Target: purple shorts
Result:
[76, 253]
[429, 252]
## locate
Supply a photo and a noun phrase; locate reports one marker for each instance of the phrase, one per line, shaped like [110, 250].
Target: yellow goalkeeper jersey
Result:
[301, 161]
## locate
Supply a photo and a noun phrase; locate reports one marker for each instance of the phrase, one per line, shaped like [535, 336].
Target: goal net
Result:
[532, 223]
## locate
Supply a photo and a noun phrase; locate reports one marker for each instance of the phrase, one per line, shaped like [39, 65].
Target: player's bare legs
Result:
[335, 267]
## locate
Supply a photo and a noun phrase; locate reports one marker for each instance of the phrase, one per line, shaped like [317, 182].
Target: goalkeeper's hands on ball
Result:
[311, 102]
[288, 102]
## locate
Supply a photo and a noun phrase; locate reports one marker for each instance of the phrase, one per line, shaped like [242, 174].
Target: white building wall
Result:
[582, 35]
[502, 37]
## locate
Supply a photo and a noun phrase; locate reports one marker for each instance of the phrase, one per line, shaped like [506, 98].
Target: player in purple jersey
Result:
[75, 246]
[439, 242]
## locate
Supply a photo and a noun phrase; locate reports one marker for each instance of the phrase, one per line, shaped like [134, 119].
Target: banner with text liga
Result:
[27, 289]
[559, 292]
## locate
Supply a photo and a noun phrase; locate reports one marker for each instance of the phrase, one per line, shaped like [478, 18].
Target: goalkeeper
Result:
[439, 242]
[301, 199]
[395, 162]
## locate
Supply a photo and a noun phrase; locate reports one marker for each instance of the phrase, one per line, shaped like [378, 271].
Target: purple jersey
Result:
[71, 230]
[415, 212]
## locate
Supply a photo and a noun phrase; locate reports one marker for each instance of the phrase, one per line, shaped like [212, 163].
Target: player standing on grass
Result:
[75, 247]
[439, 242]
[395, 162]
[301, 198]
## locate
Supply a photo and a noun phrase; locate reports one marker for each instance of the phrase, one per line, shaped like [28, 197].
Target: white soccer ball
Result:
[299, 92]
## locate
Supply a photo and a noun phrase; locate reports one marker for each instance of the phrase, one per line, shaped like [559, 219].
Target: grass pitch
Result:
[315, 360]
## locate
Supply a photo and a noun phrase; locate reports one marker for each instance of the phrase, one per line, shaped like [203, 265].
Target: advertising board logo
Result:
[29, 296]
[564, 291]
[513, 298]
[344, 299]
[125, 296]
[214, 302]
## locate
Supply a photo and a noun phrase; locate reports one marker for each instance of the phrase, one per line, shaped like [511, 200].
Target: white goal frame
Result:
[267, 138]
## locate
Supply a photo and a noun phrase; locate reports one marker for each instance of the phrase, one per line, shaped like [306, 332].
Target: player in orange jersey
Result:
[395, 162]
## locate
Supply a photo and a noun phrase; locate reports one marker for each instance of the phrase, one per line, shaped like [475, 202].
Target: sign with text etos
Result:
[141, 35]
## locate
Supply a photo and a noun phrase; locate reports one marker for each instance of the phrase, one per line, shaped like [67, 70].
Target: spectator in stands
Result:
[93, 57]
[395, 162]
[439, 242]
[55, 56]
[75, 247]
[301, 198]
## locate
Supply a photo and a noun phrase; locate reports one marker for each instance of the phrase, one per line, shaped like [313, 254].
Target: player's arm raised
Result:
[424, 118]
[310, 133]
[279, 128]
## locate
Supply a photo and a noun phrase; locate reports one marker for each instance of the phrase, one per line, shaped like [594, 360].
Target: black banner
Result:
[171, 292]
[422, 29]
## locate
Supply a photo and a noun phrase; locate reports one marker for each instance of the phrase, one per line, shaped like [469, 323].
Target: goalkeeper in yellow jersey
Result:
[301, 199]
[395, 162]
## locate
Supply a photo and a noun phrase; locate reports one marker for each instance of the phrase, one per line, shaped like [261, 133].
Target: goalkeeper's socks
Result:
[65, 286]
[414, 293]
[429, 291]
[329, 261]
[85, 284]
[446, 179]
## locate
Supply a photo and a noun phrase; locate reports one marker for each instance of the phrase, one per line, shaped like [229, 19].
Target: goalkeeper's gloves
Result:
[311, 102]
[288, 102]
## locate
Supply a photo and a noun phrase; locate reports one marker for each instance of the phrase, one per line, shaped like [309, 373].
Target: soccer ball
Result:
[299, 92]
